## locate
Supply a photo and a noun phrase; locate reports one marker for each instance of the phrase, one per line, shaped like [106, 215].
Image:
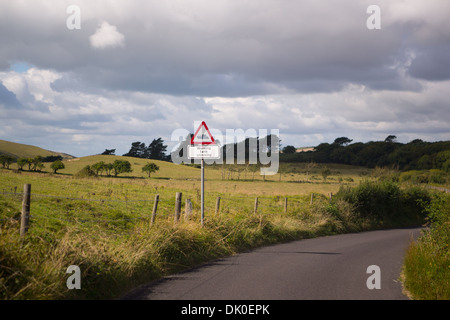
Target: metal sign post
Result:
[203, 192]
[203, 146]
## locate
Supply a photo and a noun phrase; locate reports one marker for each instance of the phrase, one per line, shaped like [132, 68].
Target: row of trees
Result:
[36, 164]
[118, 167]
[250, 147]
[156, 150]
[415, 155]
[33, 164]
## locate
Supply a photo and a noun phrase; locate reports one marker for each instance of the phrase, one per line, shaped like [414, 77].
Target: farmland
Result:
[102, 224]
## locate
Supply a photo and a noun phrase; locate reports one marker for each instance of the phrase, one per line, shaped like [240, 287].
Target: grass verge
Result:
[426, 270]
[112, 263]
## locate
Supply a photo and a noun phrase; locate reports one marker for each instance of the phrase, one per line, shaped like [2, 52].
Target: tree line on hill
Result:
[37, 164]
[415, 155]
[34, 164]
[250, 147]
[155, 150]
[116, 168]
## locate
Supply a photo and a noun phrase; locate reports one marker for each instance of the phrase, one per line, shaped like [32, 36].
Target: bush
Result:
[386, 203]
[426, 176]
[437, 176]
[372, 199]
[86, 172]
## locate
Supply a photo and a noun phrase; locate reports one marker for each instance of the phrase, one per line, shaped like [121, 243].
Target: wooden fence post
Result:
[331, 196]
[25, 217]
[255, 210]
[155, 207]
[312, 197]
[217, 205]
[188, 209]
[177, 206]
[285, 204]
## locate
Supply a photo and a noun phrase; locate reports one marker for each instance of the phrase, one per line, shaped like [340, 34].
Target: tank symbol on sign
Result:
[202, 135]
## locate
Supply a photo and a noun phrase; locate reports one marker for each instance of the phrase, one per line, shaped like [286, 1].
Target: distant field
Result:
[293, 179]
[297, 182]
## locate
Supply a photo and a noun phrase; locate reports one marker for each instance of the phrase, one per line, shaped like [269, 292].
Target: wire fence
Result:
[54, 211]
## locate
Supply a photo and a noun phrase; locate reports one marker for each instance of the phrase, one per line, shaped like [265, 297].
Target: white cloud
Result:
[107, 36]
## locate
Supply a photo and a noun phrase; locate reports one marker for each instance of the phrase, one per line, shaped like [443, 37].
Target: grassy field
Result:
[102, 224]
[294, 179]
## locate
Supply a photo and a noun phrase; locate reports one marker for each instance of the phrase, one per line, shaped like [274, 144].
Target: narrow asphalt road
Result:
[333, 267]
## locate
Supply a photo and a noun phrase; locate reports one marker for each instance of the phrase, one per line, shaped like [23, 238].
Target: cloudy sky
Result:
[81, 76]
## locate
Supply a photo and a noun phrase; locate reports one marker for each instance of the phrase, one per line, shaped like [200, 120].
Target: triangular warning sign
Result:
[202, 135]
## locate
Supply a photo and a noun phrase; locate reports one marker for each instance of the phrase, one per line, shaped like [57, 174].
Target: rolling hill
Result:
[18, 150]
[168, 170]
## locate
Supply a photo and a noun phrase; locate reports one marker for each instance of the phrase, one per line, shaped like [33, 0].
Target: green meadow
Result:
[103, 224]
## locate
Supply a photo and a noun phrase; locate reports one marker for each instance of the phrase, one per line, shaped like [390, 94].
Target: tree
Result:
[109, 152]
[325, 173]
[425, 162]
[57, 165]
[39, 166]
[6, 160]
[108, 168]
[121, 166]
[342, 141]
[51, 158]
[289, 149]
[98, 167]
[37, 163]
[150, 168]
[390, 138]
[137, 150]
[446, 166]
[443, 160]
[156, 150]
[253, 168]
[29, 163]
[21, 162]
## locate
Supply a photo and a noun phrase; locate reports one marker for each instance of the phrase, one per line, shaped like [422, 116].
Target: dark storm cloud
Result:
[236, 49]
[432, 64]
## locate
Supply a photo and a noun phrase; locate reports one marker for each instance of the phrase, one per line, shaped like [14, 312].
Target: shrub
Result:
[426, 176]
[437, 176]
[386, 203]
[86, 172]
[427, 261]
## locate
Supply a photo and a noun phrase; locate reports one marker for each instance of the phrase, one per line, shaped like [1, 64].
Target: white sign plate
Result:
[203, 152]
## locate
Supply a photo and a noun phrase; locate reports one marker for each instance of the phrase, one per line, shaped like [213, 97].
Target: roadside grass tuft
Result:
[426, 270]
